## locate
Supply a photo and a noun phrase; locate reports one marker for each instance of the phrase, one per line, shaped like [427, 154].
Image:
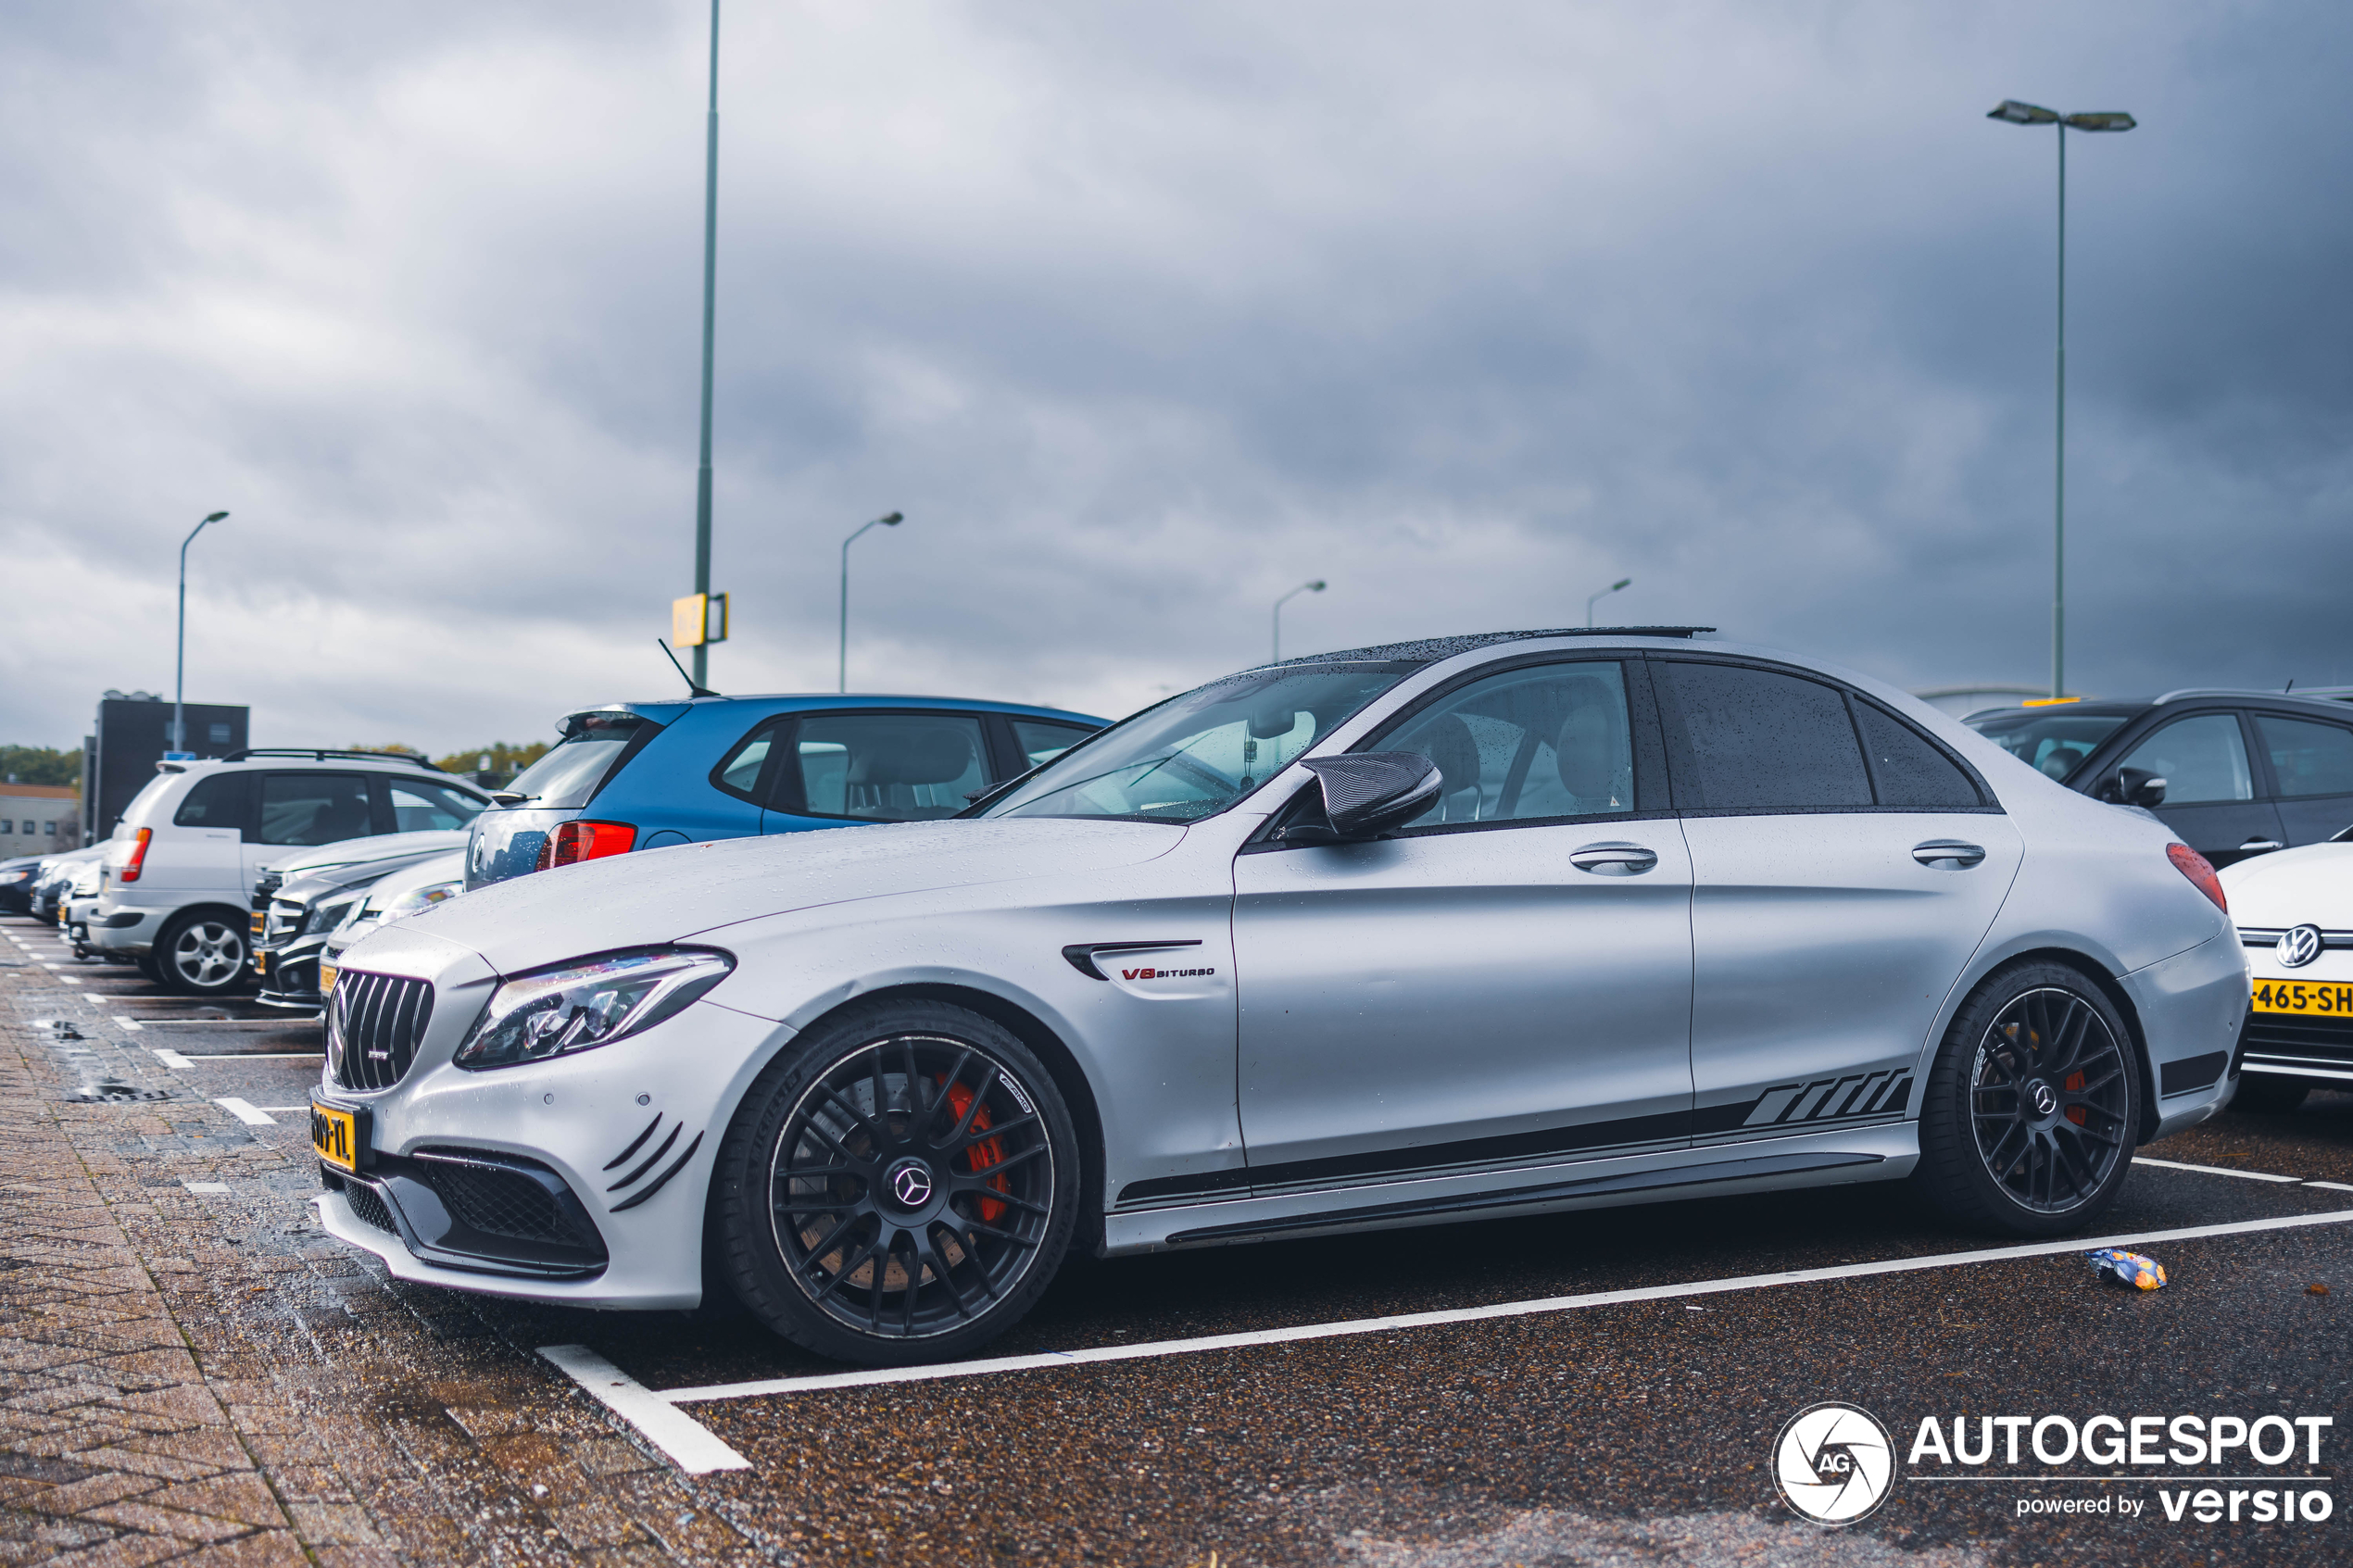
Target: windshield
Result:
[1193, 756]
[568, 775]
[2054, 740]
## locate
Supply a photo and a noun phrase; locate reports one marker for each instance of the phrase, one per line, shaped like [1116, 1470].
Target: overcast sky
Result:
[1144, 314]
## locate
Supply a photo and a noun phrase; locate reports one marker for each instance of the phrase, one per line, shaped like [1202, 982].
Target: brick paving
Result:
[207, 1378]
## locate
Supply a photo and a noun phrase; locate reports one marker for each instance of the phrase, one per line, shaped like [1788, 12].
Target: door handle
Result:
[2259, 846]
[1947, 854]
[1613, 859]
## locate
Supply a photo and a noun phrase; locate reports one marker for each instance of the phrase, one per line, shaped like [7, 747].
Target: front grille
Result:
[368, 1206]
[373, 1027]
[2269, 937]
[271, 882]
[2285, 1041]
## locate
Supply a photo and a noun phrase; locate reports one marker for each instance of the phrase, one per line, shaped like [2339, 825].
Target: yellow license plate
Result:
[2306, 998]
[326, 977]
[335, 1136]
[257, 922]
[261, 961]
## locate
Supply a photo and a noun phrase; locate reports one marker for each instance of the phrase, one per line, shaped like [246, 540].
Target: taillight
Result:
[2200, 870]
[138, 854]
[584, 841]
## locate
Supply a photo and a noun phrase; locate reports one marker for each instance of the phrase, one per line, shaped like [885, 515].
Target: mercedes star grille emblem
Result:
[2299, 947]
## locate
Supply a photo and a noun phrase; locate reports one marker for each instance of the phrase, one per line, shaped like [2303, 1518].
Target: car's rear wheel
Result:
[899, 1187]
[2033, 1106]
[2267, 1095]
[202, 953]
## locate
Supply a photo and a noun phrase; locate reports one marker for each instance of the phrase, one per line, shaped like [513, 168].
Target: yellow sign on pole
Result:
[697, 618]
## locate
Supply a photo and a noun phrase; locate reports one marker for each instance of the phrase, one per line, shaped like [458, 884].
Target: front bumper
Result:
[630, 1131]
[2192, 1007]
[289, 974]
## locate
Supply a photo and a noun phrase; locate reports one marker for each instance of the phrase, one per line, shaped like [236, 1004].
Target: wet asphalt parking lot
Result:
[1633, 1430]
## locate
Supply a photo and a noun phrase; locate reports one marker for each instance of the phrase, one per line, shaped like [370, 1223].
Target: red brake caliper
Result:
[2074, 1085]
[985, 1153]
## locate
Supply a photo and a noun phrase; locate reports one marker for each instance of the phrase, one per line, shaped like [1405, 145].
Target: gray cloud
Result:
[1144, 315]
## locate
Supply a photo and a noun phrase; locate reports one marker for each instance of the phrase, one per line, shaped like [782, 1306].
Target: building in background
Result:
[130, 739]
[39, 819]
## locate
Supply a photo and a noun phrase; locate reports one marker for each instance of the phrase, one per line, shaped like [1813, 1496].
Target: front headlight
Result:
[328, 913]
[417, 898]
[589, 1003]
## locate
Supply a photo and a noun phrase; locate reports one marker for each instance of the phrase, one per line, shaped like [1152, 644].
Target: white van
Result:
[181, 864]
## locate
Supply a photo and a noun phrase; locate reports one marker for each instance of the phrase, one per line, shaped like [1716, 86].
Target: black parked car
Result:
[15, 884]
[2236, 773]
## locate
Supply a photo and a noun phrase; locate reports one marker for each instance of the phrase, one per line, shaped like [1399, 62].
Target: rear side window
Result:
[1906, 770]
[884, 767]
[2307, 757]
[1757, 740]
[1041, 742]
[422, 806]
[738, 774]
[313, 808]
[224, 800]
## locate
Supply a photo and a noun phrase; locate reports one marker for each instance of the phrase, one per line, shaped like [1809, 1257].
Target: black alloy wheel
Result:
[2033, 1108]
[902, 1190]
[202, 954]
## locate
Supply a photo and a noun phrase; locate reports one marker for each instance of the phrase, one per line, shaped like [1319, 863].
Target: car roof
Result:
[2288, 701]
[666, 709]
[1431, 650]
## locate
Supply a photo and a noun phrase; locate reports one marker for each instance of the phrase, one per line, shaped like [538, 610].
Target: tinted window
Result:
[2200, 759]
[1041, 742]
[1906, 770]
[2053, 739]
[578, 763]
[422, 806]
[886, 768]
[1195, 755]
[1551, 741]
[221, 802]
[2307, 757]
[738, 774]
[312, 808]
[1753, 740]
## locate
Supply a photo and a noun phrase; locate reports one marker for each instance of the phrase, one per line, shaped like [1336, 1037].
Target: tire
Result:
[936, 1256]
[2033, 1106]
[147, 967]
[201, 953]
[2267, 1095]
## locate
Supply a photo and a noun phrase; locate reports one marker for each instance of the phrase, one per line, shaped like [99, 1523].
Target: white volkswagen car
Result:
[2295, 912]
[1405, 935]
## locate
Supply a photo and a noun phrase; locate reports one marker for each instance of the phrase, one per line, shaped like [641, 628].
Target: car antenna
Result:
[692, 689]
[2289, 688]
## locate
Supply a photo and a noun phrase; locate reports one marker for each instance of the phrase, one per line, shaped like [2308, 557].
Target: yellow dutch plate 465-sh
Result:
[2306, 998]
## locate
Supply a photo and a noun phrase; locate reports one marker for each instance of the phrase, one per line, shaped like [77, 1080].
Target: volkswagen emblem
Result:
[2044, 1100]
[2299, 947]
[911, 1185]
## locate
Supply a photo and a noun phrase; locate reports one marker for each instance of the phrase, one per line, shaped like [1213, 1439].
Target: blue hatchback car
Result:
[639, 775]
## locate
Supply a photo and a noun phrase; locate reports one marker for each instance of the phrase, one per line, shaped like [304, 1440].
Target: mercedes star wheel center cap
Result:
[911, 1184]
[2044, 1100]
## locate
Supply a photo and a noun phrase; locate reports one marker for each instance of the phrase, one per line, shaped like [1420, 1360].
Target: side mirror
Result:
[1370, 793]
[2138, 786]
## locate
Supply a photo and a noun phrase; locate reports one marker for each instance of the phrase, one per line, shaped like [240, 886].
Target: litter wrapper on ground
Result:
[2128, 1268]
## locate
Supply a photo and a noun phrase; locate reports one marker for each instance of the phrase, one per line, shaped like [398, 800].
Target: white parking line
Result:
[251, 1115]
[2214, 1170]
[131, 1023]
[692, 1446]
[172, 1059]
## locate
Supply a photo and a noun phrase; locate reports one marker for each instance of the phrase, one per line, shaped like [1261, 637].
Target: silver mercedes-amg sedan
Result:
[1404, 935]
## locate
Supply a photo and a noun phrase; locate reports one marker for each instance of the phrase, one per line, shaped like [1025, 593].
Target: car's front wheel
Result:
[900, 1186]
[202, 954]
[2033, 1105]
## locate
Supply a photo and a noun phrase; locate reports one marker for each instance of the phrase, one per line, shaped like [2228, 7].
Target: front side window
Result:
[2200, 760]
[1758, 740]
[886, 768]
[2053, 740]
[2307, 757]
[1527, 745]
[420, 806]
[313, 808]
[1195, 755]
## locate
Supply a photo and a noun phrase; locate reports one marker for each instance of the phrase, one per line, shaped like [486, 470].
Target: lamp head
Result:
[1316, 586]
[2017, 113]
[1621, 582]
[216, 516]
[891, 520]
[2106, 119]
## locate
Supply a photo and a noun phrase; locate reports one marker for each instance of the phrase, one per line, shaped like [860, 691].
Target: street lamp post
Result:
[2010, 111]
[889, 520]
[1596, 599]
[1314, 587]
[710, 279]
[180, 661]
